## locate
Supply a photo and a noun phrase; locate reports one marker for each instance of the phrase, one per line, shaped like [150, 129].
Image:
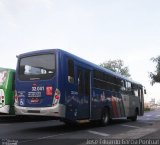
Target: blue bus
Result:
[59, 84]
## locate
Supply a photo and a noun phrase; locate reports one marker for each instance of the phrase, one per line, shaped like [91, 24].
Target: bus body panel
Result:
[107, 99]
[96, 105]
[9, 89]
[33, 93]
[55, 111]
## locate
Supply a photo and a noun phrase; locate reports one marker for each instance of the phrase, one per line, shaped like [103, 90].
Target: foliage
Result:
[147, 109]
[116, 66]
[156, 75]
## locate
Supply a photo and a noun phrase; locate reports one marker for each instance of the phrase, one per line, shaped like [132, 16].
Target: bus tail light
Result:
[2, 97]
[16, 98]
[56, 97]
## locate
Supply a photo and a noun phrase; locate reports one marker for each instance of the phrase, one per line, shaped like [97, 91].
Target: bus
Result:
[59, 84]
[7, 78]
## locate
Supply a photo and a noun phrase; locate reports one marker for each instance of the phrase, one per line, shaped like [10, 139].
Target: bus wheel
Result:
[134, 118]
[105, 118]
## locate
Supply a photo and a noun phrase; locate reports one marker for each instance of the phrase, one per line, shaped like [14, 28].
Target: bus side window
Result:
[70, 71]
[135, 90]
[123, 86]
[87, 83]
[128, 87]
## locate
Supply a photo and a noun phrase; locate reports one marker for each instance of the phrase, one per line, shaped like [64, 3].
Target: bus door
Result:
[141, 100]
[71, 93]
[83, 87]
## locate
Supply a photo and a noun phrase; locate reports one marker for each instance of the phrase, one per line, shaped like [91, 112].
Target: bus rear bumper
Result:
[55, 111]
[5, 109]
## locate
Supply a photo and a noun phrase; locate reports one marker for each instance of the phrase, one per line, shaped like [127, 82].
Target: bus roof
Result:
[8, 69]
[97, 67]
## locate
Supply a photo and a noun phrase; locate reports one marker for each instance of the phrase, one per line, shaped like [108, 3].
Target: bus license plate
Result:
[34, 100]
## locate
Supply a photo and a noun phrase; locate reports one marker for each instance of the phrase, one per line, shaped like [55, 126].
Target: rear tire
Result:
[134, 118]
[105, 118]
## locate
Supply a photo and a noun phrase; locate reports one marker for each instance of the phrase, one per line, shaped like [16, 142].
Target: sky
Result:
[96, 30]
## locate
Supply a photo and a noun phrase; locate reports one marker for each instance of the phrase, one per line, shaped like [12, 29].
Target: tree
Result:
[156, 75]
[116, 66]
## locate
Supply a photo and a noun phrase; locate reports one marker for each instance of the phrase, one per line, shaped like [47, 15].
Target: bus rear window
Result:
[37, 67]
